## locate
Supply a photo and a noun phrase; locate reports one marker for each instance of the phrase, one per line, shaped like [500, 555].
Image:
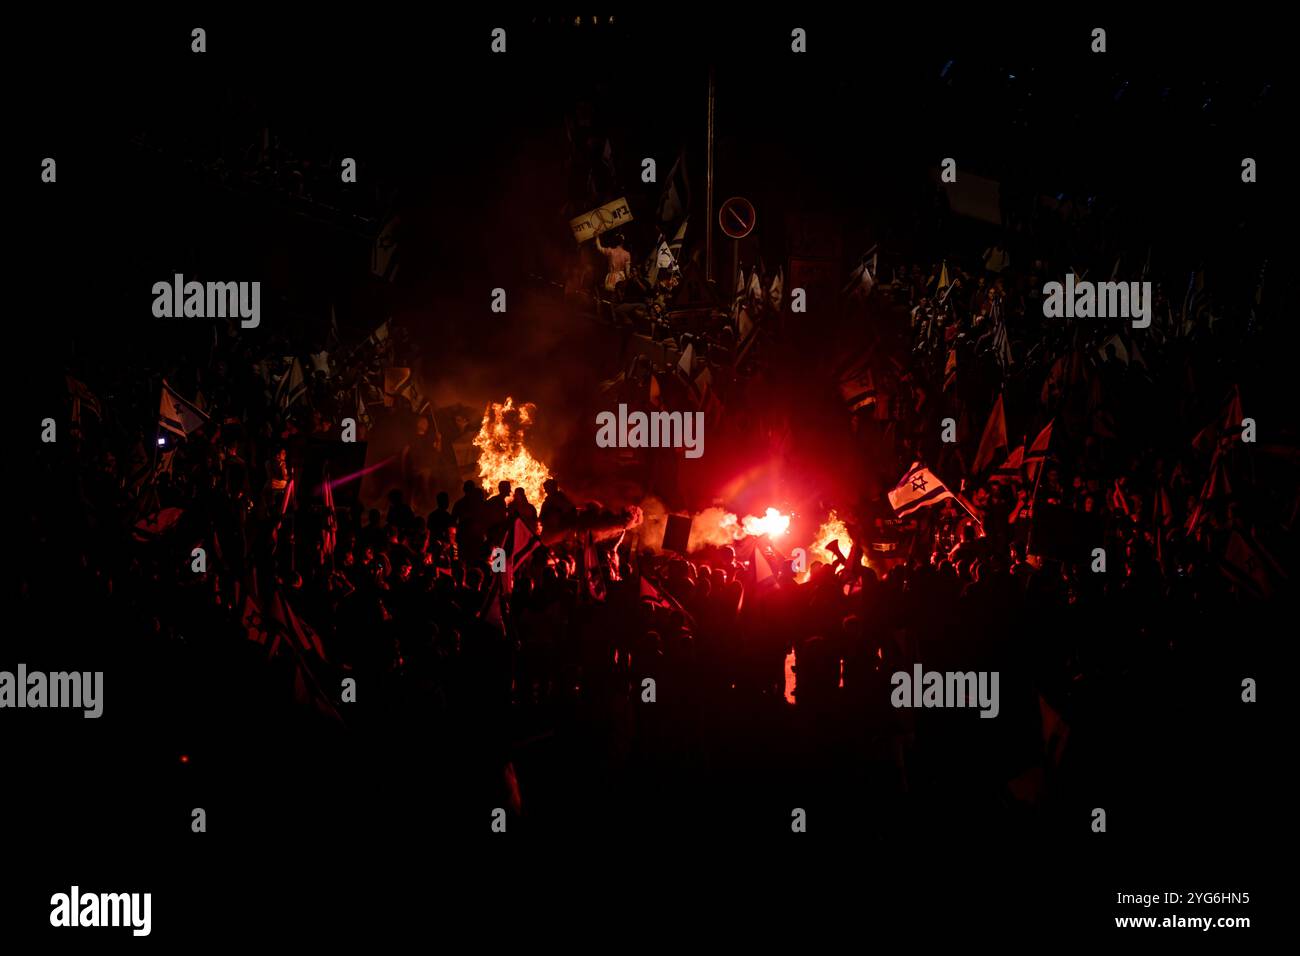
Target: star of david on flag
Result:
[917, 489]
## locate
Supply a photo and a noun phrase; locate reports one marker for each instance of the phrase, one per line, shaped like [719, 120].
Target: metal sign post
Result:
[737, 218]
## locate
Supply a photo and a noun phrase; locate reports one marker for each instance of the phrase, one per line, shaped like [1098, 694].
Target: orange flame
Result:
[831, 529]
[502, 455]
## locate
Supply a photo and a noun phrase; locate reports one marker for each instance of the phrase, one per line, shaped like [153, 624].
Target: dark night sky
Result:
[473, 144]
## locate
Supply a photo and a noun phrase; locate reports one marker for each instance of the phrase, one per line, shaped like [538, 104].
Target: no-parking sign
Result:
[737, 217]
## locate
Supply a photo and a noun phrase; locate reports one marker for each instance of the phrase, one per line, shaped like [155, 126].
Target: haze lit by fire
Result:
[718, 527]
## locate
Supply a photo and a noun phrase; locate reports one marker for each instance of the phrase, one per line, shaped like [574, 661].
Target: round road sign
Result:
[737, 217]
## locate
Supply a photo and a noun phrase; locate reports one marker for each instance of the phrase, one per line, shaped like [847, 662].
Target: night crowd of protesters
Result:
[402, 599]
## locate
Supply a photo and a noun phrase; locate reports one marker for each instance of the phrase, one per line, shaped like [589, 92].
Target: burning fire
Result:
[772, 524]
[502, 455]
[831, 529]
[719, 527]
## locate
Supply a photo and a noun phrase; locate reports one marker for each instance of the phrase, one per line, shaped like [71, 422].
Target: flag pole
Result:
[1033, 498]
[331, 518]
[963, 507]
[153, 468]
[708, 212]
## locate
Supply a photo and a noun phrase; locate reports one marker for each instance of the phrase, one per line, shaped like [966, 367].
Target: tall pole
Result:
[1033, 498]
[153, 467]
[708, 199]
